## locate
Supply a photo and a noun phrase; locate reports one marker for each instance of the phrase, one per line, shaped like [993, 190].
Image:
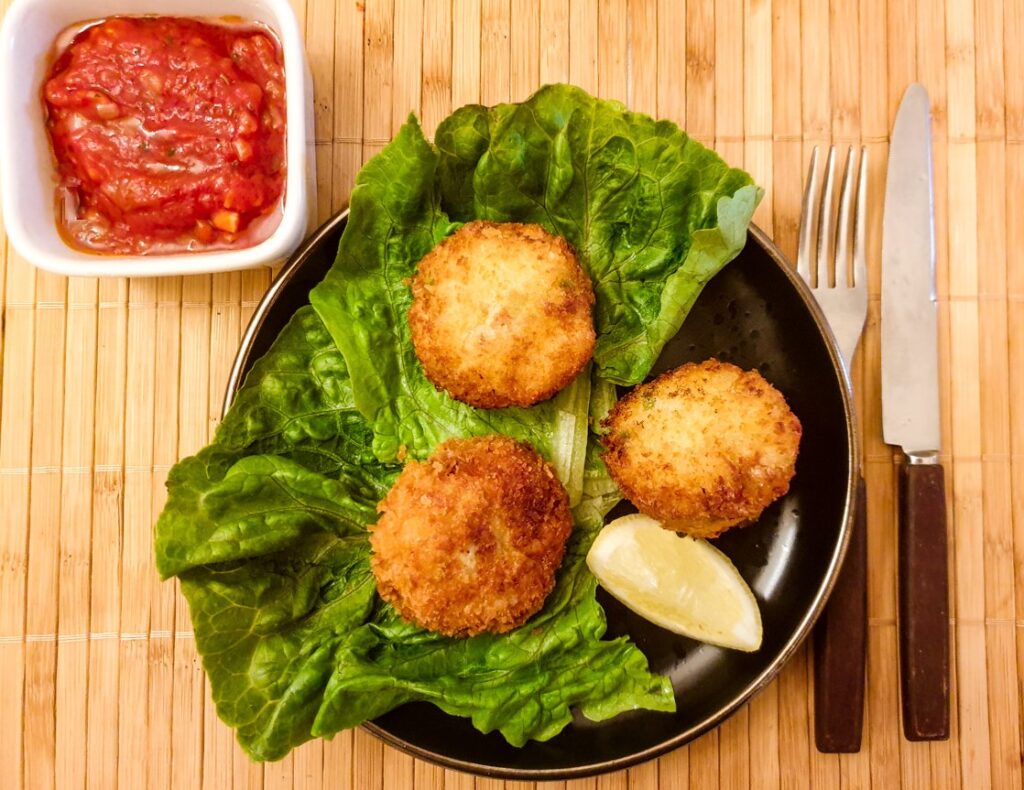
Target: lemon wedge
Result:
[681, 583]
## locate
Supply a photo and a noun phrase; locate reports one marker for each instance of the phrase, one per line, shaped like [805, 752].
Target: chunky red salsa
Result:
[169, 135]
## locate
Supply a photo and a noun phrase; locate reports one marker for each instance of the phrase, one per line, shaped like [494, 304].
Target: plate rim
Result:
[806, 623]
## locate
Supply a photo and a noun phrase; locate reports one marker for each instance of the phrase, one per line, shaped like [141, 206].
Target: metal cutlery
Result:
[910, 419]
[834, 266]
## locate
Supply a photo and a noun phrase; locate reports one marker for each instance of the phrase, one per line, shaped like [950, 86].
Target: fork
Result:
[841, 290]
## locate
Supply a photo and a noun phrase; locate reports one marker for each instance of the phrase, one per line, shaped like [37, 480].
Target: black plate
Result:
[756, 314]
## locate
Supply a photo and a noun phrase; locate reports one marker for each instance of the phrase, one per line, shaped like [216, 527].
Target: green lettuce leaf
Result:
[364, 301]
[262, 503]
[652, 214]
[266, 529]
[268, 630]
[297, 645]
[523, 683]
[296, 410]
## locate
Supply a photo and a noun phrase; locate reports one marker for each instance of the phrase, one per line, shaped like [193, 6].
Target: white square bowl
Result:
[27, 173]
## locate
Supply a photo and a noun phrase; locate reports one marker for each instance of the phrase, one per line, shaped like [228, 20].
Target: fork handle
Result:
[840, 646]
[924, 603]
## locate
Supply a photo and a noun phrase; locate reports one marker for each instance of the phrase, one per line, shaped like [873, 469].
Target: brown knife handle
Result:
[840, 646]
[924, 603]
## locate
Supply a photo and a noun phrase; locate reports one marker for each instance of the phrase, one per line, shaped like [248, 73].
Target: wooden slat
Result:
[44, 524]
[882, 720]
[465, 52]
[728, 80]
[1013, 62]
[554, 41]
[613, 50]
[644, 775]
[280, 775]
[320, 51]
[337, 762]
[524, 49]
[674, 770]
[757, 103]
[703, 762]
[164, 597]
[495, 51]
[407, 63]
[456, 780]
[105, 384]
[795, 723]
[427, 776]
[486, 783]
[642, 25]
[398, 769]
[379, 39]
[308, 765]
[225, 296]
[188, 718]
[788, 163]
[965, 397]
[990, 101]
[347, 94]
[102, 721]
[368, 762]
[15, 455]
[671, 68]
[75, 548]
[137, 551]
[734, 755]
[583, 44]
[435, 99]
[764, 740]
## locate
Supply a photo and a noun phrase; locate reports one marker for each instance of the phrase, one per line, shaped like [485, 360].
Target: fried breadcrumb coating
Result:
[501, 314]
[703, 448]
[469, 540]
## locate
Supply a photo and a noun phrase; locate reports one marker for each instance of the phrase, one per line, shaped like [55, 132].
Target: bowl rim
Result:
[242, 363]
[282, 241]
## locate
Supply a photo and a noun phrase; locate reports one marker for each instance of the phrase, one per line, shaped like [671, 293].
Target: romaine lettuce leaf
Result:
[268, 630]
[273, 557]
[523, 683]
[295, 411]
[396, 218]
[652, 214]
[297, 645]
[267, 527]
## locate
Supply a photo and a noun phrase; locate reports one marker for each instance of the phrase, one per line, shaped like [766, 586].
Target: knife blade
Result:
[910, 418]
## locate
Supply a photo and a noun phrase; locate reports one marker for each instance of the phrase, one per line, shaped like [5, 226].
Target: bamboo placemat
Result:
[106, 383]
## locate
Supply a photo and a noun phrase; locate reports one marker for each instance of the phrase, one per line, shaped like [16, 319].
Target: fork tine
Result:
[860, 266]
[820, 274]
[807, 211]
[843, 240]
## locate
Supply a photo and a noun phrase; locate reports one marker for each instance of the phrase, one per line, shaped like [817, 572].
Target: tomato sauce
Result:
[169, 135]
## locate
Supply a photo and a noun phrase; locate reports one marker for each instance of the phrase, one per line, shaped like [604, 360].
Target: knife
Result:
[910, 419]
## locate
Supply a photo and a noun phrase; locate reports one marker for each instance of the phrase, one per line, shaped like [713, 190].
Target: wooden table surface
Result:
[106, 383]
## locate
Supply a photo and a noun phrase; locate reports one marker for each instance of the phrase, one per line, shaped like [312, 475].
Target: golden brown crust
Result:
[501, 314]
[703, 448]
[469, 540]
